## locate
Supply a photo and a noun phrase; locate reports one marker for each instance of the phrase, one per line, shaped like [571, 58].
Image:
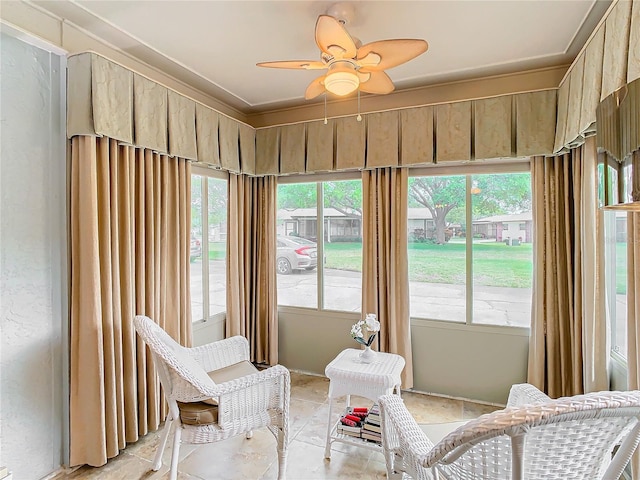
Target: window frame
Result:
[611, 196]
[522, 165]
[205, 173]
[319, 179]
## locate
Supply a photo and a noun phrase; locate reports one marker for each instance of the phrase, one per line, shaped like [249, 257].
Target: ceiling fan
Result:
[350, 65]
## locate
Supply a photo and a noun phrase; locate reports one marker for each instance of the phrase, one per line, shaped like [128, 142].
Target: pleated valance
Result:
[610, 60]
[618, 118]
[106, 99]
[501, 127]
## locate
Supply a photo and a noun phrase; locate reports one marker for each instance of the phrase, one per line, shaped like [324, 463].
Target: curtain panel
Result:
[252, 302]
[129, 255]
[385, 263]
[555, 347]
[596, 338]
[569, 343]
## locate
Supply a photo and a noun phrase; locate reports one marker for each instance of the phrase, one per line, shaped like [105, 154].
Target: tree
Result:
[492, 194]
[217, 196]
[502, 194]
[344, 196]
[439, 195]
[297, 195]
[216, 202]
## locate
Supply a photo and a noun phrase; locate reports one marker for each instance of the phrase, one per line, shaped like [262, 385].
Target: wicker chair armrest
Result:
[254, 394]
[519, 419]
[277, 372]
[524, 394]
[222, 353]
[401, 434]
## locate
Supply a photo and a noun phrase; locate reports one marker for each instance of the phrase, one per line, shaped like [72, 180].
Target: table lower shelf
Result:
[336, 436]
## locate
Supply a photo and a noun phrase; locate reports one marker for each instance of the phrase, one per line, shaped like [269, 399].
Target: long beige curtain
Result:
[596, 338]
[130, 221]
[385, 270]
[633, 294]
[555, 346]
[252, 303]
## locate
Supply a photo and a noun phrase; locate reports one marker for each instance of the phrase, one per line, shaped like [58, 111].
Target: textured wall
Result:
[32, 243]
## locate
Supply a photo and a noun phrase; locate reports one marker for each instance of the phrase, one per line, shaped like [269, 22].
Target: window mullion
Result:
[205, 248]
[320, 243]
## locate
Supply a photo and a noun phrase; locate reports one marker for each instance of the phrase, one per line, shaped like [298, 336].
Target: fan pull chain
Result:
[359, 117]
[325, 108]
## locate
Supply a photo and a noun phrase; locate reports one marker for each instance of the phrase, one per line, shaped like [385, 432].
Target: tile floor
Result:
[241, 459]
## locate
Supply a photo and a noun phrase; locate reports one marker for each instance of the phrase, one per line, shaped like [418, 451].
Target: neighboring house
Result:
[419, 222]
[302, 222]
[340, 226]
[517, 226]
[421, 226]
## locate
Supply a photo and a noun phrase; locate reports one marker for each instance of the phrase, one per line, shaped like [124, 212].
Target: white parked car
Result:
[295, 253]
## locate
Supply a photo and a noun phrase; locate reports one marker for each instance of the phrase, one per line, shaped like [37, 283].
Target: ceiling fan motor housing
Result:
[342, 11]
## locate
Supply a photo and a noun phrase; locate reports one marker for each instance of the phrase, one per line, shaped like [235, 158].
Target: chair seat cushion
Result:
[198, 413]
[237, 370]
[206, 412]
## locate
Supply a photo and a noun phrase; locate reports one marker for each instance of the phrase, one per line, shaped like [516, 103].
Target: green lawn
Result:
[621, 268]
[217, 250]
[495, 264]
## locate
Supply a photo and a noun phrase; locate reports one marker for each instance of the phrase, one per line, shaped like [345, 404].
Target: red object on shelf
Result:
[350, 423]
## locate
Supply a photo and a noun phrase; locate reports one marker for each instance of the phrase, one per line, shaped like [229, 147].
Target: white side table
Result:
[348, 376]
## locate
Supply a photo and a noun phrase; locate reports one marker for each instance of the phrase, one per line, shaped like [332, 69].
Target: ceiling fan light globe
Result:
[341, 82]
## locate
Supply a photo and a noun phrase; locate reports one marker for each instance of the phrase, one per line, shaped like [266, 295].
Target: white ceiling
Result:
[215, 45]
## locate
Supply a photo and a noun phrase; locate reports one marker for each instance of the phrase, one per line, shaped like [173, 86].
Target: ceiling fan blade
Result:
[332, 38]
[296, 64]
[379, 82]
[391, 53]
[315, 88]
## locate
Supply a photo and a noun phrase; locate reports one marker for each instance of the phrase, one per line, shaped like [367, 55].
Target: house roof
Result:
[418, 213]
[293, 213]
[515, 217]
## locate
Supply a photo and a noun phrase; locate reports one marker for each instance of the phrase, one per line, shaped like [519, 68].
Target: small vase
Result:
[367, 355]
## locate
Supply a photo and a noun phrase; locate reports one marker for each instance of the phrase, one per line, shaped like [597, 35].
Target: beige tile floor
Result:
[241, 459]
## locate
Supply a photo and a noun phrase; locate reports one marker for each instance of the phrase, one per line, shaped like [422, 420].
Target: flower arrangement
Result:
[364, 332]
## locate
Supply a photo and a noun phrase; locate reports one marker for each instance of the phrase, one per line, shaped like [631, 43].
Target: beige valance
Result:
[492, 124]
[107, 99]
[247, 149]
[293, 153]
[453, 131]
[618, 118]
[350, 143]
[610, 60]
[500, 127]
[110, 100]
[416, 135]
[382, 139]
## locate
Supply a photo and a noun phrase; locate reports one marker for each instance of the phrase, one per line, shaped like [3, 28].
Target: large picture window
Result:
[470, 248]
[319, 251]
[208, 245]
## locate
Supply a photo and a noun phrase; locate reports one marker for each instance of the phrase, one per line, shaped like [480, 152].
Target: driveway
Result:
[491, 305]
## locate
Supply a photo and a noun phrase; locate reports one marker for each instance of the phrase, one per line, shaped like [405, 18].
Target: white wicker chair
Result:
[260, 399]
[534, 438]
